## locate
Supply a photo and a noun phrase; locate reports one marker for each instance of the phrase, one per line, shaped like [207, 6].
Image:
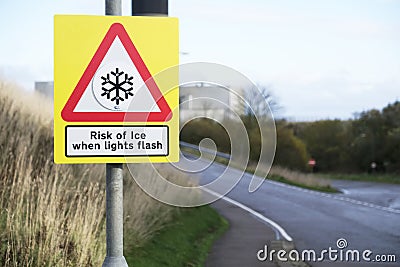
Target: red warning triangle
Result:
[162, 113]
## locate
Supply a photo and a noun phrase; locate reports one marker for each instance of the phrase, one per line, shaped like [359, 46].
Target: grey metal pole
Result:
[114, 216]
[113, 7]
[114, 193]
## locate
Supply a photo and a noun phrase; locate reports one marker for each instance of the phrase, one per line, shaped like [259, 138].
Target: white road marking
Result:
[344, 191]
[274, 225]
[341, 198]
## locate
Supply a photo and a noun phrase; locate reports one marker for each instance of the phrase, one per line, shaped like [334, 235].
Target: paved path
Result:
[244, 238]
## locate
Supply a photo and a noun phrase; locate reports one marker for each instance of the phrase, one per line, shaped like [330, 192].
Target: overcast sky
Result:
[321, 59]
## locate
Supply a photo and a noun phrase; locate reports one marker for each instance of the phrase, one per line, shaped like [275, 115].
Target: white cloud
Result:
[336, 95]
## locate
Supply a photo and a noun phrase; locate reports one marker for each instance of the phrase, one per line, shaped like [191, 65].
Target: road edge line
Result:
[273, 224]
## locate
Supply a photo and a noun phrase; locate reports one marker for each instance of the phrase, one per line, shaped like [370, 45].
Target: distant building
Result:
[45, 88]
[207, 100]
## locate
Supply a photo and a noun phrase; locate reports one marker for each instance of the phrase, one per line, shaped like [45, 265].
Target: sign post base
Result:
[115, 262]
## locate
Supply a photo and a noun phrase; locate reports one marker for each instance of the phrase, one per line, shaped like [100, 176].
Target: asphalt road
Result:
[367, 215]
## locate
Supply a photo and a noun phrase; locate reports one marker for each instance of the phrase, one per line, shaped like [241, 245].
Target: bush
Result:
[291, 152]
[196, 130]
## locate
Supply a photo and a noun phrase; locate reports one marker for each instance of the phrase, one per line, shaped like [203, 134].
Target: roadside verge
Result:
[185, 241]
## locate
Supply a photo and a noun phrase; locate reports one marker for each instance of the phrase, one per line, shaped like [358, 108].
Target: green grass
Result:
[365, 177]
[185, 242]
[325, 189]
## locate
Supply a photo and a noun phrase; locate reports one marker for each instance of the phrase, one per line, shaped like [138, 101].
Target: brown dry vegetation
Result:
[53, 215]
[306, 179]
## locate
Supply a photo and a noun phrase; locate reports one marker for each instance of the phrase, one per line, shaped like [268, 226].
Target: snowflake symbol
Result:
[121, 87]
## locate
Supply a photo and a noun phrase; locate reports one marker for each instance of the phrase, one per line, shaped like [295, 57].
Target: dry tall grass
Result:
[154, 214]
[53, 215]
[306, 179]
[297, 177]
[49, 215]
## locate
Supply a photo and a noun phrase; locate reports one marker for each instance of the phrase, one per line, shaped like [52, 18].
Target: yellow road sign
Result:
[111, 104]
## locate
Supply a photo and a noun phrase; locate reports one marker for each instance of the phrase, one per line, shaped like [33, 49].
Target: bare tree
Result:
[258, 101]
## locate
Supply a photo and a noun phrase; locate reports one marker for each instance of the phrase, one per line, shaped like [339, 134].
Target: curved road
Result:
[367, 215]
